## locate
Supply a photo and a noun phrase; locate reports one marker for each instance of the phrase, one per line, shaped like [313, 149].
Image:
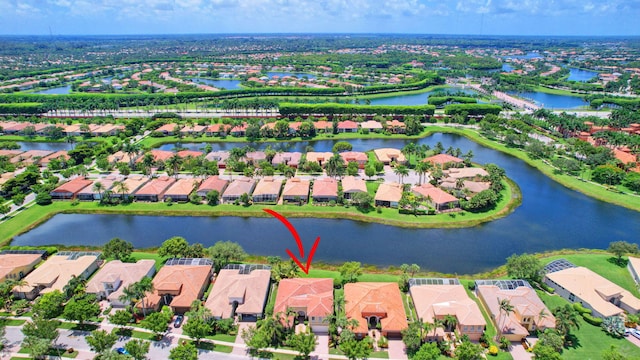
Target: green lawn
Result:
[222, 337]
[143, 335]
[139, 255]
[12, 322]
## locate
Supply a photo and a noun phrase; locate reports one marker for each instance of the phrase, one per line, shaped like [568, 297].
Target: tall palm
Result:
[401, 171]
[99, 188]
[566, 318]
[132, 150]
[450, 322]
[121, 187]
[437, 323]
[174, 163]
[541, 316]
[129, 294]
[459, 183]
[335, 166]
[506, 308]
[422, 168]
[143, 287]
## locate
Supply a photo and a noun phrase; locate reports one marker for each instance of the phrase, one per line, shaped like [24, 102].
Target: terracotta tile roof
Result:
[189, 280]
[213, 183]
[322, 124]
[160, 155]
[187, 153]
[356, 156]
[594, 289]
[314, 295]
[440, 159]
[290, 158]
[389, 192]
[156, 186]
[313, 156]
[73, 187]
[10, 153]
[382, 299]
[62, 154]
[133, 183]
[296, 187]
[168, 128]
[624, 157]
[347, 124]
[437, 301]
[118, 272]
[437, 195]
[395, 124]
[325, 187]
[351, 184]
[250, 290]
[182, 187]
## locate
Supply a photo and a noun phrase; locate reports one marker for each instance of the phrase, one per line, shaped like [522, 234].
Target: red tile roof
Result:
[440, 159]
[381, 299]
[315, 295]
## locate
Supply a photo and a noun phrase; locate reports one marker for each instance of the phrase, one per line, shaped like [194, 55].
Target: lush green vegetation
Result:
[290, 109]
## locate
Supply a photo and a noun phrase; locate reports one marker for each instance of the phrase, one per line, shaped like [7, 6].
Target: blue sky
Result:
[500, 17]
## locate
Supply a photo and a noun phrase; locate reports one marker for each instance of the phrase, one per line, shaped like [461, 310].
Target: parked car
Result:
[122, 351]
[635, 333]
[627, 331]
[178, 321]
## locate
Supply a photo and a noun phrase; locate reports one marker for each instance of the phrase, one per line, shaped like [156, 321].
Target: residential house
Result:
[238, 187]
[240, 290]
[255, 157]
[441, 159]
[30, 157]
[212, 183]
[239, 130]
[473, 186]
[291, 159]
[352, 185]
[347, 126]
[168, 129]
[355, 156]
[323, 126]
[178, 283]
[371, 125]
[128, 187]
[310, 299]
[466, 173]
[375, 305]
[325, 190]
[529, 312]
[436, 197]
[389, 155]
[388, 195]
[592, 291]
[15, 264]
[70, 189]
[395, 126]
[189, 153]
[634, 268]
[154, 190]
[267, 190]
[181, 189]
[60, 155]
[296, 190]
[89, 194]
[111, 279]
[437, 298]
[159, 155]
[194, 129]
[56, 272]
[218, 156]
[319, 157]
[216, 129]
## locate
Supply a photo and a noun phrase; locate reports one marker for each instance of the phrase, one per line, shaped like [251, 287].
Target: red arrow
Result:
[293, 232]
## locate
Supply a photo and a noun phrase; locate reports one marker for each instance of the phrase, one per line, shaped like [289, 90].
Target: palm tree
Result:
[422, 168]
[129, 294]
[121, 187]
[335, 166]
[132, 150]
[75, 286]
[142, 287]
[459, 183]
[450, 322]
[506, 307]
[566, 318]
[437, 323]
[401, 171]
[99, 188]
[174, 163]
[541, 316]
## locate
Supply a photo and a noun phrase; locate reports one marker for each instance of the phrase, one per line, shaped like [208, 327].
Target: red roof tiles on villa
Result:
[326, 187]
[441, 159]
[212, 183]
[382, 300]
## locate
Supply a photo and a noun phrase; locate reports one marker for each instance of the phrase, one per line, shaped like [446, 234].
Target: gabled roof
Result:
[388, 154]
[356, 156]
[291, 158]
[389, 192]
[133, 183]
[239, 187]
[382, 299]
[437, 301]
[188, 279]
[182, 187]
[352, 184]
[230, 284]
[56, 272]
[325, 187]
[466, 172]
[624, 157]
[267, 186]
[316, 295]
[10, 262]
[347, 124]
[156, 186]
[593, 289]
[296, 187]
[313, 156]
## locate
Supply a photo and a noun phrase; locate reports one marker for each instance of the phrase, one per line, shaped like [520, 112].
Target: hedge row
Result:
[581, 309]
[472, 109]
[628, 103]
[290, 109]
[27, 108]
[439, 100]
[595, 321]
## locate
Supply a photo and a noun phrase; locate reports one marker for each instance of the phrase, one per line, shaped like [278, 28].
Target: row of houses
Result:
[42, 129]
[241, 291]
[37, 157]
[266, 190]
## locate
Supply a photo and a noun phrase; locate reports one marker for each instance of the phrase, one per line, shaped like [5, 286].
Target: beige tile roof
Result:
[442, 159]
[127, 273]
[325, 187]
[351, 184]
[315, 295]
[296, 187]
[156, 186]
[56, 272]
[251, 288]
[323, 157]
[371, 124]
[213, 183]
[133, 183]
[437, 301]
[239, 187]
[525, 302]
[356, 156]
[290, 158]
[466, 172]
[635, 264]
[267, 186]
[182, 187]
[10, 262]
[388, 155]
[591, 288]
[381, 299]
[389, 192]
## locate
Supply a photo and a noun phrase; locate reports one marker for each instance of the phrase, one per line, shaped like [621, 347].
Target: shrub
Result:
[581, 309]
[43, 198]
[547, 288]
[592, 319]
[493, 350]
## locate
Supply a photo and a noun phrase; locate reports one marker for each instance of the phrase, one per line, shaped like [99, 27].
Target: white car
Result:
[635, 333]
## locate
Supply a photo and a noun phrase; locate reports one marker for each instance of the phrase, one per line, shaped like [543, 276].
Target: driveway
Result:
[397, 350]
[322, 348]
[519, 353]
[240, 348]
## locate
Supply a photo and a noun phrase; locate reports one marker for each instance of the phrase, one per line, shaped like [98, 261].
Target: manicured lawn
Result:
[53, 352]
[143, 335]
[139, 255]
[222, 337]
[74, 326]
[379, 355]
[12, 322]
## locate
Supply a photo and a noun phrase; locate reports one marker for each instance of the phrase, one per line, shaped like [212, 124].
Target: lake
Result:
[279, 74]
[552, 101]
[550, 217]
[528, 56]
[56, 91]
[220, 84]
[52, 146]
[576, 74]
[414, 99]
